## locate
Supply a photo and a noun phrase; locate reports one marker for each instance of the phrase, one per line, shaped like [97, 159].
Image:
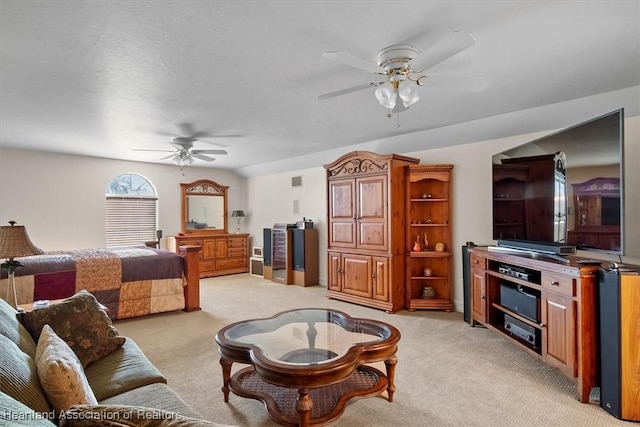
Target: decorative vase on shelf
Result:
[417, 247]
[428, 292]
[426, 242]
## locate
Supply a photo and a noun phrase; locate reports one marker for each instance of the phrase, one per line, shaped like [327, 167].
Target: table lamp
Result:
[237, 214]
[14, 242]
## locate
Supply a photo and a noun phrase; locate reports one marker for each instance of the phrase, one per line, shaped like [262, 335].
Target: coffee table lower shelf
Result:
[328, 402]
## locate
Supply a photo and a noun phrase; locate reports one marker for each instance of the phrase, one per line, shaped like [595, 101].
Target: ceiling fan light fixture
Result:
[386, 95]
[182, 159]
[408, 92]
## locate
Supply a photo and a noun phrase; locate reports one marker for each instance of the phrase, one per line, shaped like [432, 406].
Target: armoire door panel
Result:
[381, 279]
[343, 234]
[372, 235]
[342, 214]
[372, 213]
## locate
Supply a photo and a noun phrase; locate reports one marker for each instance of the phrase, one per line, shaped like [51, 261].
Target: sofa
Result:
[127, 387]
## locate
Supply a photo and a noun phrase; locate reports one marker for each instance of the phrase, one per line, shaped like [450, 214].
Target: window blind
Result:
[130, 221]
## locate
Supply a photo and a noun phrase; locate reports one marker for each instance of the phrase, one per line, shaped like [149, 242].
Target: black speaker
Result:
[266, 247]
[297, 238]
[619, 311]
[466, 280]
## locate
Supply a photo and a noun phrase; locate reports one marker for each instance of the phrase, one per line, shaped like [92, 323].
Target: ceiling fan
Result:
[183, 153]
[401, 69]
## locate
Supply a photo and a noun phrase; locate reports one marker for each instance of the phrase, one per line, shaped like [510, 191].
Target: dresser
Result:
[221, 253]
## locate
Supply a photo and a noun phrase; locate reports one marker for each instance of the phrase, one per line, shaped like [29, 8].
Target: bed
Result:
[130, 282]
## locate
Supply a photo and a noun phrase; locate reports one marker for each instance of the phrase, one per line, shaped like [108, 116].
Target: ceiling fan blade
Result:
[143, 149]
[168, 157]
[225, 136]
[465, 83]
[441, 50]
[202, 157]
[208, 152]
[348, 90]
[353, 61]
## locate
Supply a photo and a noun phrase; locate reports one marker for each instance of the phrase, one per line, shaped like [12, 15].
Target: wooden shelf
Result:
[429, 222]
[430, 303]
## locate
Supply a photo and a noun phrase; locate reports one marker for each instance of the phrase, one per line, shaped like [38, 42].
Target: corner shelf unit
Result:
[429, 268]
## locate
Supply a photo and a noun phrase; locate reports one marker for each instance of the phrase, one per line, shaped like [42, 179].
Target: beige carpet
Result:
[448, 373]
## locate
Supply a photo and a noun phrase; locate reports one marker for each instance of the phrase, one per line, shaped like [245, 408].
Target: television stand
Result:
[559, 323]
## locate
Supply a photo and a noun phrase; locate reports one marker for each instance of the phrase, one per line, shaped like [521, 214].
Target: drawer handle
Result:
[476, 261]
[555, 283]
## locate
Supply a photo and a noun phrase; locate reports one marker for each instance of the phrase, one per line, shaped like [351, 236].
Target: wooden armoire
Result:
[366, 229]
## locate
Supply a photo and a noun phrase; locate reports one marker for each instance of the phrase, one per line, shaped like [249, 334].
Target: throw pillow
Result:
[119, 415]
[81, 322]
[60, 372]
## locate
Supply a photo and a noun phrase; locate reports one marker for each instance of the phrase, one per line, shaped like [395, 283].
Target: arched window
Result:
[131, 211]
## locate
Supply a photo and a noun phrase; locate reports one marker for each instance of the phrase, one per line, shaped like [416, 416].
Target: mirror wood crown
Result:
[204, 207]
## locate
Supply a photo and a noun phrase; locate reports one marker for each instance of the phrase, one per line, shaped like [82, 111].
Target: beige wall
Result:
[60, 198]
[270, 197]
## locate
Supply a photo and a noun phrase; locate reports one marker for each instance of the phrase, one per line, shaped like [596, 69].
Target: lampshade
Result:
[408, 92]
[386, 95]
[182, 160]
[15, 242]
[237, 214]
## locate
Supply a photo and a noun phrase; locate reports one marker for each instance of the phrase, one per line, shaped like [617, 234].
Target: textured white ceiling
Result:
[100, 78]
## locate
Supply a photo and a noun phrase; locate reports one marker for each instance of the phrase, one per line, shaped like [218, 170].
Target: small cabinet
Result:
[429, 257]
[361, 276]
[558, 347]
[478, 289]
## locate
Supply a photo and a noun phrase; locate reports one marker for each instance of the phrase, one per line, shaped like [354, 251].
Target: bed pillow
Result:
[61, 374]
[81, 322]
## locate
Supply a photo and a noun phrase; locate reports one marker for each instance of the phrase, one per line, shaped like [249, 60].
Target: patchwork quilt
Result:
[130, 282]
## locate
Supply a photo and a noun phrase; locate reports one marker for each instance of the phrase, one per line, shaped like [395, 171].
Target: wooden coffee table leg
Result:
[391, 372]
[304, 404]
[226, 375]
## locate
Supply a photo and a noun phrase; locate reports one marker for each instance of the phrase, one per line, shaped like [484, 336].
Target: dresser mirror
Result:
[204, 207]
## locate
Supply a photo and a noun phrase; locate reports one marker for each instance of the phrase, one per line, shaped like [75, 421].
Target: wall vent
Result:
[296, 181]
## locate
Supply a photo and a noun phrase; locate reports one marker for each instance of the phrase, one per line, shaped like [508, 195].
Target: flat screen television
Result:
[564, 188]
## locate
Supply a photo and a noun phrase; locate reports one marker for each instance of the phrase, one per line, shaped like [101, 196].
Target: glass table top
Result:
[307, 336]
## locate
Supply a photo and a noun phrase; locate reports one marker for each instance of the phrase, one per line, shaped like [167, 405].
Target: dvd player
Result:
[519, 273]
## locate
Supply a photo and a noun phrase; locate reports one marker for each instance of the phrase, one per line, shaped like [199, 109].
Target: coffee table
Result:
[306, 364]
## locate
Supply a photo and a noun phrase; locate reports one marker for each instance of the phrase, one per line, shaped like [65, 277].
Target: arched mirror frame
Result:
[206, 188]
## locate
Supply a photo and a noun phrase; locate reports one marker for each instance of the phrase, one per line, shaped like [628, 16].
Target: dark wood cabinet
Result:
[563, 333]
[530, 198]
[366, 229]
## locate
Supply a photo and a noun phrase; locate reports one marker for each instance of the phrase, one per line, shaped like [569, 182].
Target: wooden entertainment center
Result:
[544, 305]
